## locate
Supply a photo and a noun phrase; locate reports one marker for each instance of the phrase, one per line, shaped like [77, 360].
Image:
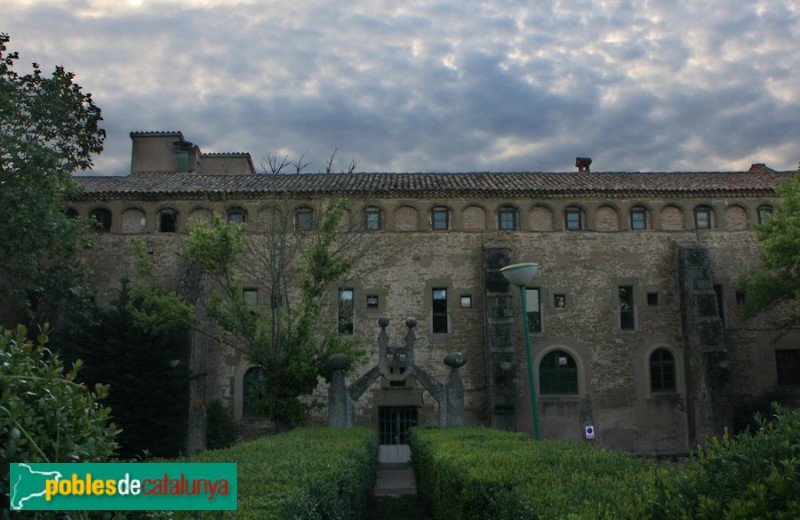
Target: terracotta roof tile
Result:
[438, 185]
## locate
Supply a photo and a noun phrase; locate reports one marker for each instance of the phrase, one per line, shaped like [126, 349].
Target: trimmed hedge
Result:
[476, 473]
[307, 473]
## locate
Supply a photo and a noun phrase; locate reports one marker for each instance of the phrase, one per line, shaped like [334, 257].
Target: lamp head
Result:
[520, 274]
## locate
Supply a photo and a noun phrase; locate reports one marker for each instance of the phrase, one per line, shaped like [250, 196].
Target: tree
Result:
[776, 282]
[290, 337]
[48, 129]
[46, 415]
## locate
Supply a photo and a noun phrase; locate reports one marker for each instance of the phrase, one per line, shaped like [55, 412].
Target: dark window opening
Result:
[346, 311]
[560, 301]
[652, 299]
[626, 316]
[253, 386]
[558, 374]
[788, 364]
[372, 301]
[71, 213]
[662, 371]
[720, 303]
[764, 214]
[533, 310]
[235, 215]
[741, 298]
[168, 222]
[102, 218]
[439, 308]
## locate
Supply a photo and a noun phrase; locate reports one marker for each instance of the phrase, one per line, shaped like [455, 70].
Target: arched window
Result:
[558, 374]
[102, 218]
[662, 371]
[252, 391]
[236, 215]
[507, 218]
[703, 217]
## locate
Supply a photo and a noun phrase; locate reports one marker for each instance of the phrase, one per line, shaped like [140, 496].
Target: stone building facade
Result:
[633, 317]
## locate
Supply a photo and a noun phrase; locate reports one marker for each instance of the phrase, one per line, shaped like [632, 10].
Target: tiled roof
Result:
[438, 185]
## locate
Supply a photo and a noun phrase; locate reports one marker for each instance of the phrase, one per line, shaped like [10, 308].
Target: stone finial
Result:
[583, 163]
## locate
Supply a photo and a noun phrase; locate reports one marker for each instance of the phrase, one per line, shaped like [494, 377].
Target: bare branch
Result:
[329, 167]
[299, 165]
[273, 164]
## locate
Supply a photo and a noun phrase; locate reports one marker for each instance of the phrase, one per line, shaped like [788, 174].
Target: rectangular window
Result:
[652, 299]
[741, 299]
[372, 220]
[346, 311]
[168, 222]
[572, 219]
[533, 310]
[702, 218]
[626, 316]
[303, 220]
[764, 214]
[788, 365]
[250, 297]
[439, 308]
[466, 301]
[638, 218]
[507, 218]
[439, 217]
[720, 303]
[560, 301]
[372, 301]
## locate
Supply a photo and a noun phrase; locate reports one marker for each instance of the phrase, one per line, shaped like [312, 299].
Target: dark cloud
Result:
[437, 86]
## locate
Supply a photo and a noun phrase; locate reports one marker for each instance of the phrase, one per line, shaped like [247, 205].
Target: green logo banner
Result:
[122, 486]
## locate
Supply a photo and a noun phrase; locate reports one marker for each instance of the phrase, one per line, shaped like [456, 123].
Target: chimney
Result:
[759, 167]
[583, 163]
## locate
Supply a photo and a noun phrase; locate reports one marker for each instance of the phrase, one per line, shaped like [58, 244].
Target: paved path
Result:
[395, 480]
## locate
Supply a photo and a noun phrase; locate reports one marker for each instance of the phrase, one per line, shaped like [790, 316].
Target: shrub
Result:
[220, 427]
[45, 415]
[308, 473]
[475, 473]
[752, 476]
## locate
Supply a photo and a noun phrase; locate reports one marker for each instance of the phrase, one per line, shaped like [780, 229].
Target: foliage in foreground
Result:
[475, 473]
[753, 476]
[45, 415]
[308, 473]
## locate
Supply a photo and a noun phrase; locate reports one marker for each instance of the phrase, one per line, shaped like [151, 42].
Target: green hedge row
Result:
[477, 473]
[308, 473]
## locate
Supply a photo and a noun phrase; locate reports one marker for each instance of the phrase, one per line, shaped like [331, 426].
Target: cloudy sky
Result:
[446, 86]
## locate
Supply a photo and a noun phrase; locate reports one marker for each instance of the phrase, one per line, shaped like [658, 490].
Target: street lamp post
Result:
[521, 275]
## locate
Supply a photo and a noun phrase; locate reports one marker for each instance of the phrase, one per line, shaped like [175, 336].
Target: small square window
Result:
[168, 222]
[652, 299]
[466, 301]
[560, 301]
[741, 299]
[372, 301]
[702, 217]
[788, 365]
[235, 215]
[250, 297]
[638, 218]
